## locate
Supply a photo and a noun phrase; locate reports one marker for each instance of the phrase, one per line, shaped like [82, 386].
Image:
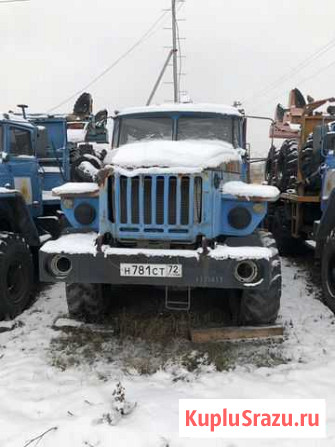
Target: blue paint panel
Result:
[69, 212]
[227, 205]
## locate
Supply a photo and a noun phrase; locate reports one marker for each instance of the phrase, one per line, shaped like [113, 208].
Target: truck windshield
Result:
[209, 128]
[145, 129]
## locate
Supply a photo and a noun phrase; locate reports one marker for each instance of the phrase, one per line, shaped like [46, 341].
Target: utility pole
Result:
[159, 78]
[175, 55]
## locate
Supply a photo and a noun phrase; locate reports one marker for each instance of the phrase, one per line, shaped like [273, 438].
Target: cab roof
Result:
[180, 107]
[15, 119]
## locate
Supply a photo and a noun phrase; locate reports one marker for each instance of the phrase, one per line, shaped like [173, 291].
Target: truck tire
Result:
[271, 166]
[328, 273]
[281, 229]
[16, 275]
[287, 165]
[262, 306]
[83, 175]
[309, 168]
[85, 302]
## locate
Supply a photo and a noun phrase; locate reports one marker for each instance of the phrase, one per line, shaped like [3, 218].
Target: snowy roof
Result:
[16, 118]
[200, 108]
[74, 189]
[250, 191]
[199, 154]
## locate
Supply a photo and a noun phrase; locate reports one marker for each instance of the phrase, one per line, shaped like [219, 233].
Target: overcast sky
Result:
[234, 50]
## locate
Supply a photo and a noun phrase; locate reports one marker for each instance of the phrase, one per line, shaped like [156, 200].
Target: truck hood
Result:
[194, 155]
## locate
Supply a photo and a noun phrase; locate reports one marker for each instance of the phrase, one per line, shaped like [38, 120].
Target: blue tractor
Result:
[170, 208]
[36, 157]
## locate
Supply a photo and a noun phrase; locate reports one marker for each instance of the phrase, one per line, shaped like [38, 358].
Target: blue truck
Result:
[36, 157]
[303, 168]
[171, 208]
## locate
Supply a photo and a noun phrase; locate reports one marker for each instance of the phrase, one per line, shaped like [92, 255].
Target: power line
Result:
[143, 38]
[303, 81]
[14, 1]
[294, 70]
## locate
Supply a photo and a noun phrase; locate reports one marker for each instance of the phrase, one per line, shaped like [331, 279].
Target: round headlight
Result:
[85, 214]
[239, 218]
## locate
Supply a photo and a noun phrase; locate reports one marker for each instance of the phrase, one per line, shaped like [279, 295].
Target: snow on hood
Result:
[198, 154]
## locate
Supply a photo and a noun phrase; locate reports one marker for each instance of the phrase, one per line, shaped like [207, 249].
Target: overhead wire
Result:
[294, 70]
[142, 39]
[300, 82]
[14, 1]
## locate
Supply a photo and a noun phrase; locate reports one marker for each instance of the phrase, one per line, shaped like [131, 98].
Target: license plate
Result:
[152, 270]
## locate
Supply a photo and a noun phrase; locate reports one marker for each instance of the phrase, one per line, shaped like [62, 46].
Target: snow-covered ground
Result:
[47, 382]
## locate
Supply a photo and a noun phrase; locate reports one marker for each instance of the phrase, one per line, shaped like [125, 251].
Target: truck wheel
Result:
[16, 275]
[287, 166]
[84, 169]
[328, 273]
[271, 166]
[85, 302]
[281, 229]
[310, 164]
[262, 306]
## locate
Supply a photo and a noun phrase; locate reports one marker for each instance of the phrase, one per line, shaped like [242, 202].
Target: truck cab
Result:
[170, 208]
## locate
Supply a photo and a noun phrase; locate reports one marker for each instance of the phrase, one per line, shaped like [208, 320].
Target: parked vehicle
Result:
[170, 208]
[35, 158]
[304, 169]
[33, 161]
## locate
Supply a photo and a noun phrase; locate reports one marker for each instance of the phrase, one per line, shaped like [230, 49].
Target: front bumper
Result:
[215, 269]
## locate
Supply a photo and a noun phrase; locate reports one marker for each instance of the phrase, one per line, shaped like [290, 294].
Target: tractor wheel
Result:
[287, 166]
[328, 273]
[84, 169]
[281, 229]
[271, 166]
[16, 275]
[309, 168]
[86, 302]
[262, 306]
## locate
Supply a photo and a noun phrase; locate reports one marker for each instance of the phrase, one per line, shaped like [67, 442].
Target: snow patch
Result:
[201, 107]
[198, 154]
[222, 252]
[48, 195]
[78, 243]
[85, 243]
[156, 171]
[76, 135]
[8, 191]
[73, 188]
[88, 168]
[241, 189]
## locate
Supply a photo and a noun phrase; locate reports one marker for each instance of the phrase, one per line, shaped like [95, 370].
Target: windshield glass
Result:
[208, 128]
[145, 129]
[1, 139]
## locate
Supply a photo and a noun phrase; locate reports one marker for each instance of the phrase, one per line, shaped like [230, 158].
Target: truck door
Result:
[5, 176]
[23, 166]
